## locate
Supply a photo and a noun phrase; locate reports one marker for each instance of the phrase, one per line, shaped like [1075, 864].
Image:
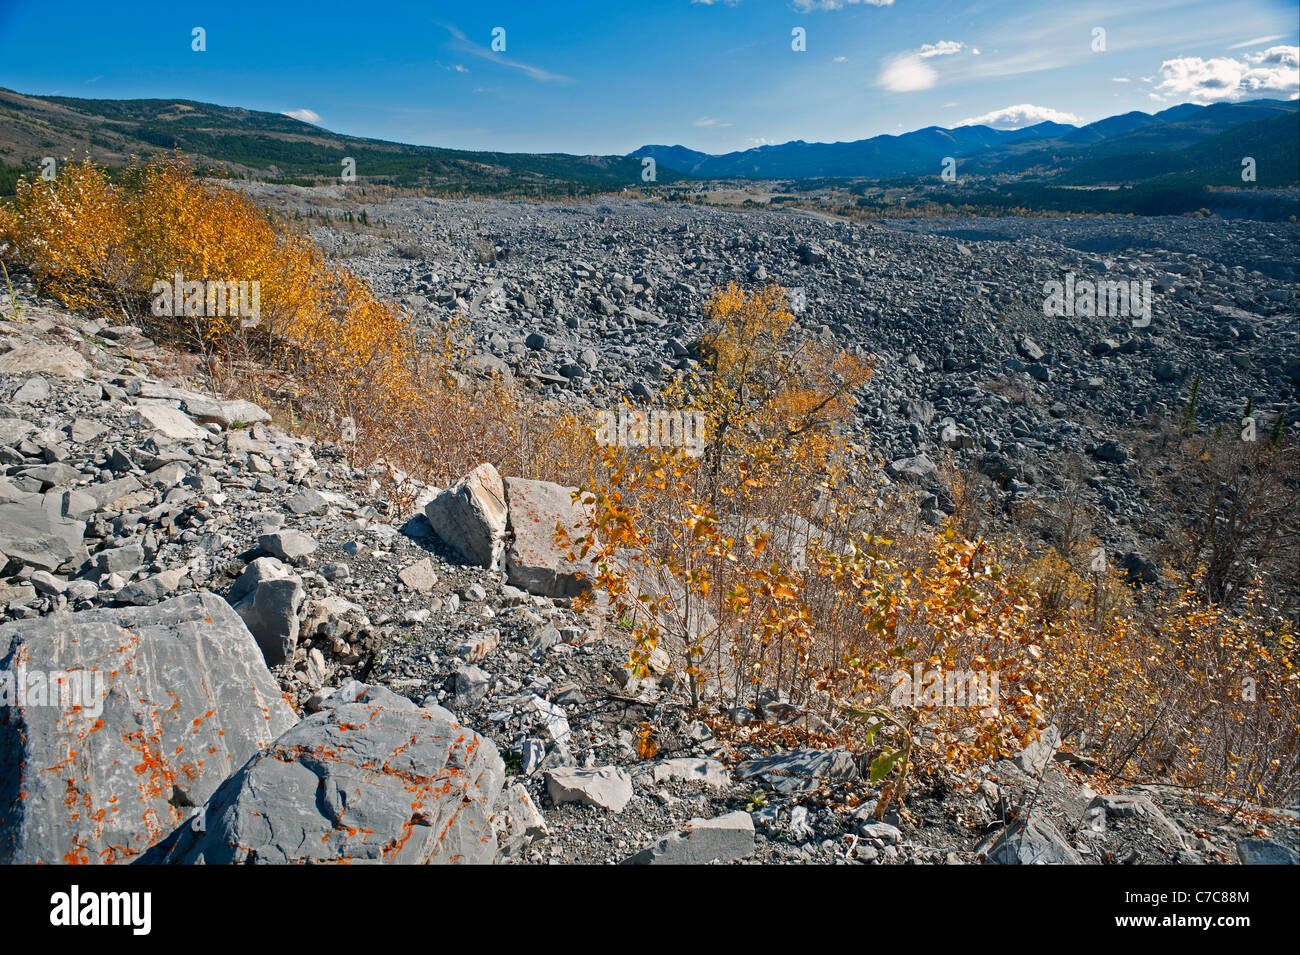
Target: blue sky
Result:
[607, 77]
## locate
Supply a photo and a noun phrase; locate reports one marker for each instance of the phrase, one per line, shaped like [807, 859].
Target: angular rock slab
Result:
[186, 700]
[172, 422]
[420, 576]
[606, 787]
[701, 841]
[1037, 756]
[271, 614]
[470, 517]
[1265, 852]
[535, 562]
[1036, 842]
[37, 356]
[915, 469]
[370, 778]
[800, 770]
[13, 430]
[225, 413]
[39, 538]
[693, 770]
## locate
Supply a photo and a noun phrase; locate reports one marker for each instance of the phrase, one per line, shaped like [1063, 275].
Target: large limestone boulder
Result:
[917, 469]
[534, 561]
[470, 517]
[170, 700]
[369, 778]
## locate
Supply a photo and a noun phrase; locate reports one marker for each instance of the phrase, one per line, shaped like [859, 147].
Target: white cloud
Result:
[304, 115]
[1273, 71]
[908, 72]
[839, 59]
[803, 6]
[942, 48]
[709, 3]
[1119, 79]
[709, 121]
[1026, 114]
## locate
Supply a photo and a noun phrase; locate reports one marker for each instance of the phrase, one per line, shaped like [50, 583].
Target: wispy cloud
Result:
[303, 115]
[709, 121]
[464, 44]
[1258, 41]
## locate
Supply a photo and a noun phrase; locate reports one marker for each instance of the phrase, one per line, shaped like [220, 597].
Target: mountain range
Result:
[1111, 149]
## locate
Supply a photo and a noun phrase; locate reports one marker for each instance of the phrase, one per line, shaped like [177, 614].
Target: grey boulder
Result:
[607, 787]
[40, 539]
[270, 612]
[370, 778]
[288, 545]
[470, 517]
[800, 770]
[1035, 842]
[535, 561]
[701, 841]
[174, 698]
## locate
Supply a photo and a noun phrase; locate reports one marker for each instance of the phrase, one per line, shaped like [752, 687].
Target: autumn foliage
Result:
[326, 350]
[774, 571]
